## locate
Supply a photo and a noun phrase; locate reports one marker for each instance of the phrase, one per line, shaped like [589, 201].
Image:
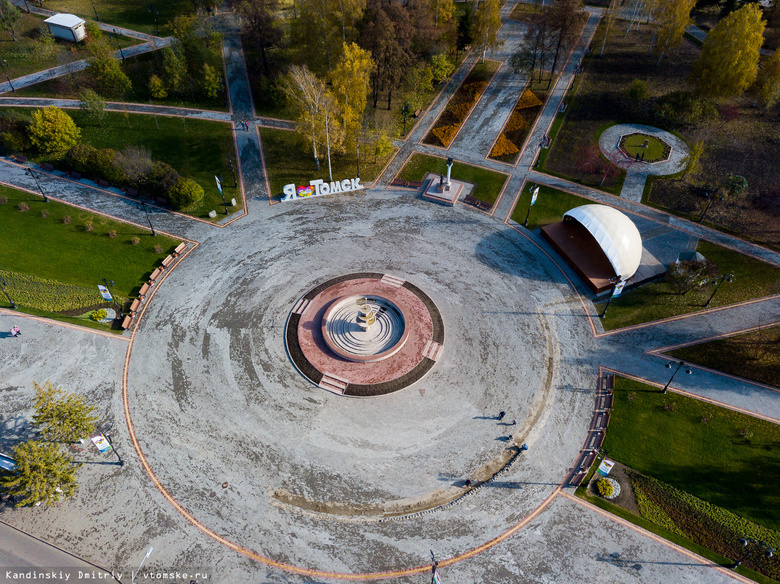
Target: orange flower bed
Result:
[506, 147]
[445, 134]
[503, 147]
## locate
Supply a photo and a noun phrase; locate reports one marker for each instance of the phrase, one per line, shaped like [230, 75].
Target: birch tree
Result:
[487, 23]
[674, 16]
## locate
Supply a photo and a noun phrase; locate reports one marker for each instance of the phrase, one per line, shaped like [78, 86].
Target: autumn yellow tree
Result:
[766, 89]
[442, 10]
[672, 18]
[351, 79]
[729, 56]
[487, 23]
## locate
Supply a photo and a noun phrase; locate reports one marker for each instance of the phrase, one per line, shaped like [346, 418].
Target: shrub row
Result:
[49, 295]
[135, 168]
[456, 111]
[709, 525]
[516, 127]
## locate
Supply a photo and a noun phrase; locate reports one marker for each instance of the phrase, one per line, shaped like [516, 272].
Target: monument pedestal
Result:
[440, 192]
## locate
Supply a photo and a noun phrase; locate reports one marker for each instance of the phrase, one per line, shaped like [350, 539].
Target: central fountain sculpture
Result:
[366, 315]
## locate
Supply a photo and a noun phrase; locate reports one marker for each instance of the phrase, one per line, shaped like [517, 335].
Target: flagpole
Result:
[534, 193]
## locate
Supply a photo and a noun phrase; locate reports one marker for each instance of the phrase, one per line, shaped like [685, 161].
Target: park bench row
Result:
[483, 205]
[598, 428]
[136, 304]
[412, 184]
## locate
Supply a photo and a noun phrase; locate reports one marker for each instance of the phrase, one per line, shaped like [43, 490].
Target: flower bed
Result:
[461, 104]
[524, 114]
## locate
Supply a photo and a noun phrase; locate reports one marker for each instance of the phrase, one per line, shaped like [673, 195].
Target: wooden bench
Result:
[610, 382]
[577, 479]
[131, 192]
[161, 200]
[74, 175]
[608, 401]
[485, 206]
[135, 306]
[127, 322]
[469, 200]
[179, 248]
[143, 291]
[398, 182]
[417, 113]
[415, 184]
[167, 261]
[103, 183]
[47, 167]
[20, 159]
[155, 275]
[589, 460]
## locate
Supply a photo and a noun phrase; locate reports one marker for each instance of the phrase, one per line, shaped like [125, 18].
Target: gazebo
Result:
[599, 242]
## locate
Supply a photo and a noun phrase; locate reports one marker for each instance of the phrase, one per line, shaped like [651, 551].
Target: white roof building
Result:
[67, 26]
[615, 233]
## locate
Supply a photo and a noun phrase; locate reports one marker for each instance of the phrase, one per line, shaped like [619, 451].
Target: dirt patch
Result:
[626, 499]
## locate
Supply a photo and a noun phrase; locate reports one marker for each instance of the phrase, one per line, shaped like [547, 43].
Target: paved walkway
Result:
[225, 327]
[70, 68]
[638, 171]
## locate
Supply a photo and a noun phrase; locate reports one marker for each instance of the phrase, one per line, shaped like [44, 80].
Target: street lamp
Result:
[5, 70]
[13, 304]
[614, 281]
[31, 172]
[118, 44]
[679, 366]
[95, 9]
[709, 194]
[149, 221]
[745, 541]
[718, 281]
[155, 14]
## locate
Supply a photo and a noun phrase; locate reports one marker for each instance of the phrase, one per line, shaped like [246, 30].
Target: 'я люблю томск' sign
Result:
[318, 188]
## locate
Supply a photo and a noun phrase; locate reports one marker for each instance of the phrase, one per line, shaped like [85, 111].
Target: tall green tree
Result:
[61, 416]
[43, 474]
[105, 70]
[388, 37]
[693, 160]
[52, 131]
[211, 81]
[174, 70]
[766, 89]
[672, 18]
[10, 18]
[487, 23]
[729, 56]
[442, 10]
[93, 105]
[262, 31]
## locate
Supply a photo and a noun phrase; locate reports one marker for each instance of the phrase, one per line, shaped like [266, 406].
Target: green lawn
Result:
[197, 149]
[634, 145]
[134, 15]
[488, 183]
[729, 459]
[754, 355]
[752, 279]
[53, 266]
[28, 55]
[550, 206]
[289, 160]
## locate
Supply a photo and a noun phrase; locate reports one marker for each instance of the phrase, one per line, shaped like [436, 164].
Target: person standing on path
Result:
[501, 415]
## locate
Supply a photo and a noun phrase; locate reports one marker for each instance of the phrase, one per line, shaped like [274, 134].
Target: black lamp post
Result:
[718, 281]
[155, 14]
[405, 112]
[5, 70]
[679, 366]
[4, 284]
[745, 541]
[709, 194]
[118, 44]
[31, 172]
[232, 170]
[614, 282]
[224, 202]
[149, 221]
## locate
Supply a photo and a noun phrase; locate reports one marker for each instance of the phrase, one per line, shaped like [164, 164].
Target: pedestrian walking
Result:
[514, 423]
[15, 332]
[501, 415]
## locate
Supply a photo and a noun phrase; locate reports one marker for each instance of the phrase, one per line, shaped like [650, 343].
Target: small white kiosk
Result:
[68, 27]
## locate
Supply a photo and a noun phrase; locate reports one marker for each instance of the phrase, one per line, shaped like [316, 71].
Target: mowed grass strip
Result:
[550, 206]
[134, 15]
[727, 458]
[488, 183]
[752, 278]
[289, 159]
[197, 149]
[754, 356]
[49, 248]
